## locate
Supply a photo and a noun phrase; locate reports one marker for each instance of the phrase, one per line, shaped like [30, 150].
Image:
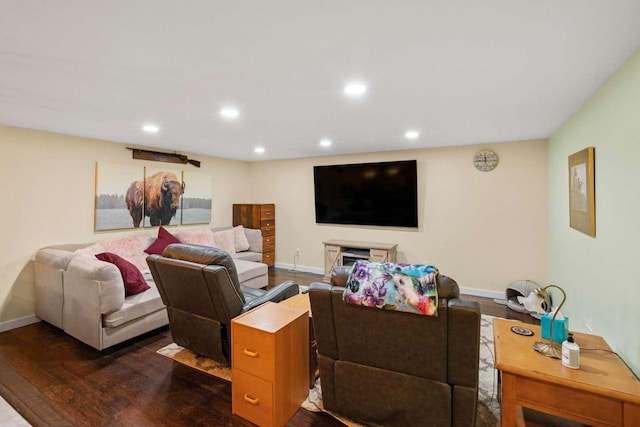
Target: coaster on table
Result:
[522, 331]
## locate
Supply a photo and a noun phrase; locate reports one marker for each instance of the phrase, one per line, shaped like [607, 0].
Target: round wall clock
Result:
[485, 160]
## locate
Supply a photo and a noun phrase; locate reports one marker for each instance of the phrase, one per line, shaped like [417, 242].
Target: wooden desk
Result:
[603, 392]
[302, 301]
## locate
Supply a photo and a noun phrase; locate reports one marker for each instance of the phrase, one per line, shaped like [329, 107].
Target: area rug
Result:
[488, 406]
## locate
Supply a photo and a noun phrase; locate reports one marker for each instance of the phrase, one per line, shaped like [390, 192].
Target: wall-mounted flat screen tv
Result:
[382, 194]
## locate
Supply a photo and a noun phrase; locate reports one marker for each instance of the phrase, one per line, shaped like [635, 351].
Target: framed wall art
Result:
[131, 196]
[582, 200]
[196, 200]
[113, 181]
[163, 190]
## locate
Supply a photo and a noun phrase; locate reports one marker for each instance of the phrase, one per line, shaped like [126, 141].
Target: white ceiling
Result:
[461, 72]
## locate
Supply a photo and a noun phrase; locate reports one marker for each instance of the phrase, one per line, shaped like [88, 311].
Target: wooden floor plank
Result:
[54, 379]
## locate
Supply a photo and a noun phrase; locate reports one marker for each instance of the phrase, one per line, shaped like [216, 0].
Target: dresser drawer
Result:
[253, 352]
[268, 227]
[269, 258]
[252, 398]
[267, 211]
[268, 243]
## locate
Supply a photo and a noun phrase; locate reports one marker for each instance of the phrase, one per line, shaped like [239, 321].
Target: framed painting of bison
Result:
[131, 196]
[196, 201]
[112, 183]
[160, 195]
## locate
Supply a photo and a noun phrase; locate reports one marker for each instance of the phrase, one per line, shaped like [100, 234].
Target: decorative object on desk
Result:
[570, 353]
[560, 327]
[521, 331]
[532, 303]
[582, 203]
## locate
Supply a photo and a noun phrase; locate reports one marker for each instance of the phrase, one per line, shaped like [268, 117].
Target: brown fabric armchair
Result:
[199, 285]
[394, 368]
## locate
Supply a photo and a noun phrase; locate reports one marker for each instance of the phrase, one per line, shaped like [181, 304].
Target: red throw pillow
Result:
[134, 282]
[164, 239]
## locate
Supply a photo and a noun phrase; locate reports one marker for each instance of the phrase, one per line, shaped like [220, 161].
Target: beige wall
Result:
[600, 275]
[485, 229]
[48, 198]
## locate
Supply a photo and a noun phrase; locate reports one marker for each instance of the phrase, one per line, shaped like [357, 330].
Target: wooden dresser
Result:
[263, 217]
[269, 363]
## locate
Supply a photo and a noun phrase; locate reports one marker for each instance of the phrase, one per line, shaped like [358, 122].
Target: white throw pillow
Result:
[225, 240]
[241, 242]
[199, 236]
[131, 248]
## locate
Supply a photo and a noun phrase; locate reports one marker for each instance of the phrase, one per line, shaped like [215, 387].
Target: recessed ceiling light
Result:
[258, 150]
[229, 113]
[355, 89]
[326, 143]
[411, 134]
[150, 128]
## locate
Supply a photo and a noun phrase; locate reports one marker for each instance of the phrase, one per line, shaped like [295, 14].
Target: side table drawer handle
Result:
[251, 353]
[251, 400]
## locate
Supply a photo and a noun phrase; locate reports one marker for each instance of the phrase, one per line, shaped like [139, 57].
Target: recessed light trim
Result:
[258, 150]
[326, 143]
[150, 128]
[355, 89]
[412, 134]
[229, 113]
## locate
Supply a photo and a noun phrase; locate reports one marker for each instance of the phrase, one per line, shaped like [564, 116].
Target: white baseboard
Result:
[301, 268]
[482, 293]
[16, 323]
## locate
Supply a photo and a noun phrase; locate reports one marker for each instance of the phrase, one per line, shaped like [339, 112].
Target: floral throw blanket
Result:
[391, 286]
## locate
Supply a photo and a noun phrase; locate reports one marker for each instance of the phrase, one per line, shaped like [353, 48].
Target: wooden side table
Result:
[603, 392]
[269, 348]
[302, 301]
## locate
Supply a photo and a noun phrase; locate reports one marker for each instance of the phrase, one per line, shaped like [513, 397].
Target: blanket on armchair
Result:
[393, 286]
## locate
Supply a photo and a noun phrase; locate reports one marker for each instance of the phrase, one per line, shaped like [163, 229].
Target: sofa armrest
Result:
[49, 266]
[254, 237]
[92, 288]
[88, 277]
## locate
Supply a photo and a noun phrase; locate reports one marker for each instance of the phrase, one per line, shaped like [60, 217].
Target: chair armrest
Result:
[464, 341]
[276, 294]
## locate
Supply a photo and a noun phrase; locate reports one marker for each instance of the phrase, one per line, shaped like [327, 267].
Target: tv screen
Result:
[383, 194]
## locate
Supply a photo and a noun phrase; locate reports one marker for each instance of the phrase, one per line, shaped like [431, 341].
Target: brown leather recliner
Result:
[393, 368]
[200, 287]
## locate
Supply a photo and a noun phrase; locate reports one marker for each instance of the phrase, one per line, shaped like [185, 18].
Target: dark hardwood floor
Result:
[53, 379]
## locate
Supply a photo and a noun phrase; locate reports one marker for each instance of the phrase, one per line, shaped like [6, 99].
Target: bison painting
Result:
[159, 196]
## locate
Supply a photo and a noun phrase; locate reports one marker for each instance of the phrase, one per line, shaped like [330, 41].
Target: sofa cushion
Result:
[133, 279]
[135, 306]
[240, 238]
[94, 249]
[225, 240]
[248, 270]
[163, 240]
[199, 236]
[248, 256]
[130, 248]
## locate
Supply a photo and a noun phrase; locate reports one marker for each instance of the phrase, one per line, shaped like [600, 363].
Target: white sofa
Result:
[85, 296]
